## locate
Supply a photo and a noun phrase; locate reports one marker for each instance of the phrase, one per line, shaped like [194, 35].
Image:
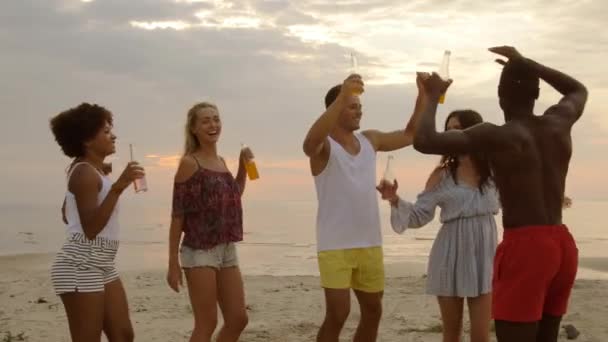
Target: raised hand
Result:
[352, 85]
[435, 85]
[131, 172]
[506, 51]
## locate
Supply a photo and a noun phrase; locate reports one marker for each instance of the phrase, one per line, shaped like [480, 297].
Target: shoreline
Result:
[590, 268]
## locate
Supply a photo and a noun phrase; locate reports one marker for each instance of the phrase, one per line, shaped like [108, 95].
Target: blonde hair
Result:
[192, 142]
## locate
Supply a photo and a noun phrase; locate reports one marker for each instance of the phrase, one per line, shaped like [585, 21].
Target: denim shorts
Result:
[221, 256]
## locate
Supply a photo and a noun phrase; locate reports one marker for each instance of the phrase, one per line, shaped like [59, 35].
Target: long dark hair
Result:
[467, 118]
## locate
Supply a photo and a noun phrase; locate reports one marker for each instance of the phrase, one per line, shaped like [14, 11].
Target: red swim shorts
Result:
[534, 271]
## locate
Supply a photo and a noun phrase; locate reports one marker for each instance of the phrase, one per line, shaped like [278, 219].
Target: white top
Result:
[112, 228]
[348, 215]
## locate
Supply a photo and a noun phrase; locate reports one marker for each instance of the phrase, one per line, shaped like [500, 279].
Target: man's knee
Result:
[125, 334]
[336, 316]
[337, 308]
[237, 322]
[370, 304]
[129, 335]
[372, 310]
[548, 328]
[507, 331]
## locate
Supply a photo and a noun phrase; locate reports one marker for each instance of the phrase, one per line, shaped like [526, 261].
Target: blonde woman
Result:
[207, 210]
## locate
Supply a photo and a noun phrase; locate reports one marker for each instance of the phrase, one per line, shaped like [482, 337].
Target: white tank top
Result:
[112, 228]
[348, 214]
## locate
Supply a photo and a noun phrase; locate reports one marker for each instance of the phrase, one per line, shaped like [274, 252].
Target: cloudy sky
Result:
[267, 64]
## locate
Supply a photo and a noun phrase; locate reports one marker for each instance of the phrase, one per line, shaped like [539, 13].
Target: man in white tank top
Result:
[349, 239]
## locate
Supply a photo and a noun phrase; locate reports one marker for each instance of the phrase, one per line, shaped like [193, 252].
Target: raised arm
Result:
[571, 106]
[85, 184]
[482, 137]
[390, 141]
[316, 138]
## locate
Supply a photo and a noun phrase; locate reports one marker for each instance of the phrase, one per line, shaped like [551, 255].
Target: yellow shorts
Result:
[358, 268]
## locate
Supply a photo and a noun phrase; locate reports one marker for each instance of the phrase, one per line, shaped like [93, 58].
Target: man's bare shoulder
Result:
[495, 136]
[552, 118]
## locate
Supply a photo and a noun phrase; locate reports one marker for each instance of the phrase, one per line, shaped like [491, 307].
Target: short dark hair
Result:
[75, 126]
[332, 94]
[518, 82]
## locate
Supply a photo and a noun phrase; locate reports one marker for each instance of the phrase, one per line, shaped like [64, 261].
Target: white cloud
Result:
[268, 64]
[152, 25]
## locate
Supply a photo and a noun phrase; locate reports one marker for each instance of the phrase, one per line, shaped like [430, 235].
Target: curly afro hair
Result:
[75, 126]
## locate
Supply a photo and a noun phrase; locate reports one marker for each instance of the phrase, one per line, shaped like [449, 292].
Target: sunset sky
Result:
[267, 65]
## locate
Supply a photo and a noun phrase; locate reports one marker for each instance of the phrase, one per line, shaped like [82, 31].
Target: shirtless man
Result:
[535, 265]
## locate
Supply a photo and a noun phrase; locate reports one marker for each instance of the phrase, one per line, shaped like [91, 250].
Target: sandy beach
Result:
[285, 308]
